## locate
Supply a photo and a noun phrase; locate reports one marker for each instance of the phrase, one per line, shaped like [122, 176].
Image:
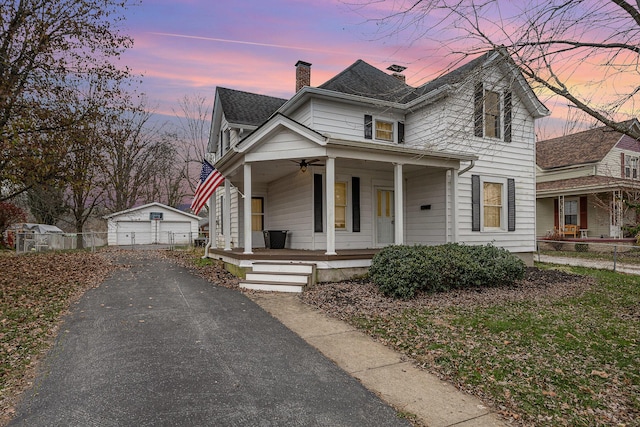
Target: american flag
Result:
[210, 179]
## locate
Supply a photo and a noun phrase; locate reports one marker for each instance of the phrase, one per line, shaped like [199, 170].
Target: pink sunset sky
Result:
[188, 47]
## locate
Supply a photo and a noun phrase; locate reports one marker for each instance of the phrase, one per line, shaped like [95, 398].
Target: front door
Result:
[257, 222]
[385, 215]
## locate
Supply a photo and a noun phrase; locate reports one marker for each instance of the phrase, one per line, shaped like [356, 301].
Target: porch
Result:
[344, 264]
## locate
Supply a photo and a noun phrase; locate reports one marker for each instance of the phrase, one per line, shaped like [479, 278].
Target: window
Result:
[491, 113]
[571, 212]
[630, 167]
[384, 130]
[257, 213]
[493, 204]
[341, 205]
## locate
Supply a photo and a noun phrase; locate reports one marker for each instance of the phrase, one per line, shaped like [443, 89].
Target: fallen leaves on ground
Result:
[35, 289]
[556, 349]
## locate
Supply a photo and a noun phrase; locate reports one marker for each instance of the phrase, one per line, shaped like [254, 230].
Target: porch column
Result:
[453, 224]
[213, 227]
[247, 208]
[226, 215]
[330, 179]
[399, 205]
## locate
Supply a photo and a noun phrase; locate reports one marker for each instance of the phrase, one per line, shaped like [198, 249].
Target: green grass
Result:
[565, 362]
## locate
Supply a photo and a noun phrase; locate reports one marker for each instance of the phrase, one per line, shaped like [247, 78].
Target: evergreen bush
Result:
[402, 271]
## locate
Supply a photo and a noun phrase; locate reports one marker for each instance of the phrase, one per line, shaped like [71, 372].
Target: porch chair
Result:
[570, 230]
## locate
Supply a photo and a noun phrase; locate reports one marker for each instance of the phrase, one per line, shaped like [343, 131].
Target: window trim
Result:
[508, 210]
[261, 214]
[391, 131]
[346, 205]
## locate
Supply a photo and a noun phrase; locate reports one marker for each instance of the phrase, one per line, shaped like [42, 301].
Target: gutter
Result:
[473, 163]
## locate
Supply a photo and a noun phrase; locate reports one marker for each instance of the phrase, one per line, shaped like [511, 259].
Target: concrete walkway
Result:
[590, 263]
[380, 369]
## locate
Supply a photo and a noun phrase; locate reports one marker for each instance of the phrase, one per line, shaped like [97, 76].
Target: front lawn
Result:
[555, 350]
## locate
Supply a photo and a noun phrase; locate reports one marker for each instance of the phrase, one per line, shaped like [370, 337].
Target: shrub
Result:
[402, 271]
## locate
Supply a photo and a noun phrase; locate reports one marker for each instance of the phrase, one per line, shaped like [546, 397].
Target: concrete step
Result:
[263, 267]
[290, 278]
[259, 285]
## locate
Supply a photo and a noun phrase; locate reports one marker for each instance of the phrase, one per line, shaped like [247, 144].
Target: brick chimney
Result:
[303, 75]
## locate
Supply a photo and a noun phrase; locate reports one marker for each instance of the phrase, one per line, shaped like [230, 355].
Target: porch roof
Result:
[317, 145]
[583, 185]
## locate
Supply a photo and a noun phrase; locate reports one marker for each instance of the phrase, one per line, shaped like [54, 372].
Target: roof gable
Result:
[365, 80]
[590, 146]
[247, 108]
[148, 205]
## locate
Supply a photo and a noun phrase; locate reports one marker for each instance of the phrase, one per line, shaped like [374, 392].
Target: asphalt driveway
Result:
[157, 346]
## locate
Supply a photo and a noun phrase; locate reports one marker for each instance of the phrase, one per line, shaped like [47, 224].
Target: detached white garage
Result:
[153, 223]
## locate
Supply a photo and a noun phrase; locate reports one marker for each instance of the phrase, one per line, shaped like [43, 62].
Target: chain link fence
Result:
[610, 254]
[40, 242]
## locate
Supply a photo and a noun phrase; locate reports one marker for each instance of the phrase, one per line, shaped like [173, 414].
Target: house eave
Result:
[399, 149]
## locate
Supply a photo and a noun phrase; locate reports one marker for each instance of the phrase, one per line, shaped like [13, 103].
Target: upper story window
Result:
[631, 167]
[492, 113]
[383, 130]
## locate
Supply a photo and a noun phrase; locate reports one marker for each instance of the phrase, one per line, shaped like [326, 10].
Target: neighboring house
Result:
[364, 161]
[153, 223]
[585, 178]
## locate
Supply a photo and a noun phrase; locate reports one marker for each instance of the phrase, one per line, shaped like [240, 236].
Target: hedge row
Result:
[401, 271]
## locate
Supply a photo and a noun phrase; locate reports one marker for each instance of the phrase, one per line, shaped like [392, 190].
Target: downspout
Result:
[473, 163]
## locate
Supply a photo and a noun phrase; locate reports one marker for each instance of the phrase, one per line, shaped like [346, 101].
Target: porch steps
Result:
[279, 277]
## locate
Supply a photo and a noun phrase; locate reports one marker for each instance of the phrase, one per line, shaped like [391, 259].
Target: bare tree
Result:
[192, 136]
[553, 43]
[136, 153]
[45, 45]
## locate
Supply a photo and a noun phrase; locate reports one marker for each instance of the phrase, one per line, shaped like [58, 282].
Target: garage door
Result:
[181, 232]
[134, 232]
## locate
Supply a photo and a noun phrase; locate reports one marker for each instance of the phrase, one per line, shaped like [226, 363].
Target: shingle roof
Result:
[453, 76]
[366, 80]
[585, 183]
[247, 108]
[589, 146]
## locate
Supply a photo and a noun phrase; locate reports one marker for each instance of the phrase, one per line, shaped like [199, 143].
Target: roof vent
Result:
[397, 69]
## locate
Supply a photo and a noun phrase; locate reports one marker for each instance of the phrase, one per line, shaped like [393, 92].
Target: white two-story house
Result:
[365, 160]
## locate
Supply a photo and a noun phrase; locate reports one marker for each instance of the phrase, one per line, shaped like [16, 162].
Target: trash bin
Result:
[275, 239]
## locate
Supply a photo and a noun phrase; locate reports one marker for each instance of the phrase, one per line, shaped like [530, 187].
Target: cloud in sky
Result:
[185, 47]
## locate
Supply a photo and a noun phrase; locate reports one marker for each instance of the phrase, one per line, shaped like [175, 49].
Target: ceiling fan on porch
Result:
[304, 164]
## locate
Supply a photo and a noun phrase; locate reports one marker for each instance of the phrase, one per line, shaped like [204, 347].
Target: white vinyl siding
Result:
[426, 226]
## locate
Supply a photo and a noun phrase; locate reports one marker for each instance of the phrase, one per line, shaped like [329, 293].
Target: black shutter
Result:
[511, 204]
[355, 202]
[400, 133]
[475, 202]
[221, 215]
[317, 203]
[478, 121]
[507, 116]
[368, 126]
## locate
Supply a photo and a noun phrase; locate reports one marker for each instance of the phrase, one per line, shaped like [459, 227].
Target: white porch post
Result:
[454, 206]
[399, 205]
[330, 179]
[561, 214]
[213, 227]
[226, 212]
[247, 209]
